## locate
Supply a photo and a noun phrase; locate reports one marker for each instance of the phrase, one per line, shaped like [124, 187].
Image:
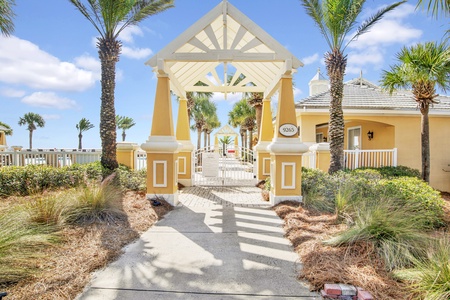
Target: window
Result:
[319, 137]
[354, 138]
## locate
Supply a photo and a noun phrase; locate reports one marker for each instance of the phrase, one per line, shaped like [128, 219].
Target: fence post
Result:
[395, 157]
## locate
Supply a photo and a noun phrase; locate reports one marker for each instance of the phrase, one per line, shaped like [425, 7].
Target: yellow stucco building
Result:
[375, 120]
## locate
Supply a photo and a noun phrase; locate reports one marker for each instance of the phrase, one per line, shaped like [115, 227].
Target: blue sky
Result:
[50, 64]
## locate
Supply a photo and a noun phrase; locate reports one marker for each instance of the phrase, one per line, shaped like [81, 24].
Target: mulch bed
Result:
[86, 249]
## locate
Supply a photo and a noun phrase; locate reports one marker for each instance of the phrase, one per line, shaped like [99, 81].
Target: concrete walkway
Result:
[221, 243]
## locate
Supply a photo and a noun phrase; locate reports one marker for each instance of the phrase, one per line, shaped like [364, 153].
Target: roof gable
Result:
[226, 130]
[224, 41]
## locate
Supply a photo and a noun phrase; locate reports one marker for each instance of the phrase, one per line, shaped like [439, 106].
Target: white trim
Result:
[264, 172]
[164, 163]
[183, 164]
[274, 200]
[371, 112]
[283, 176]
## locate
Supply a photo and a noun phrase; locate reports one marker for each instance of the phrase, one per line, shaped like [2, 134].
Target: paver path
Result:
[220, 243]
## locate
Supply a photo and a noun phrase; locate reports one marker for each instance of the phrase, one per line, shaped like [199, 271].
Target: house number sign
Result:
[288, 130]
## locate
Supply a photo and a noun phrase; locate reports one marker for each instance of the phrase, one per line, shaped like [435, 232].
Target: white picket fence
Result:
[58, 158]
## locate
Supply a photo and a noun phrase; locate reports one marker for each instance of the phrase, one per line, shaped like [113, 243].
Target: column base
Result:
[172, 199]
[185, 182]
[274, 200]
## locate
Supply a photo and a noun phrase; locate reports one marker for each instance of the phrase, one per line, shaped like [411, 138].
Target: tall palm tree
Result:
[124, 123]
[336, 20]
[32, 120]
[82, 126]
[244, 115]
[202, 108]
[6, 17]
[8, 128]
[110, 18]
[421, 67]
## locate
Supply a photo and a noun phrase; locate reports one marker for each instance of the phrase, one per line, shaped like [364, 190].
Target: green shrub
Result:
[389, 172]
[267, 184]
[45, 210]
[411, 190]
[131, 180]
[318, 190]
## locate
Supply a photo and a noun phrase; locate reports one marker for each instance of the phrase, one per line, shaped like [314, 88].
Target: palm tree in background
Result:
[32, 120]
[243, 115]
[82, 126]
[8, 128]
[421, 67]
[336, 20]
[212, 122]
[202, 109]
[110, 18]
[6, 17]
[124, 123]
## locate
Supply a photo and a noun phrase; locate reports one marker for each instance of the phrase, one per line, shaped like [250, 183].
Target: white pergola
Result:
[226, 42]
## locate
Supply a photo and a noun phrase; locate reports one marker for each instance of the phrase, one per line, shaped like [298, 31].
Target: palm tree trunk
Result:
[205, 138]
[199, 142]
[336, 63]
[250, 138]
[80, 137]
[123, 136]
[31, 139]
[425, 138]
[109, 50]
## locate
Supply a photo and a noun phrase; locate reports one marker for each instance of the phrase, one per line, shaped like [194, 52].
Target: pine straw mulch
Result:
[358, 265]
[85, 249]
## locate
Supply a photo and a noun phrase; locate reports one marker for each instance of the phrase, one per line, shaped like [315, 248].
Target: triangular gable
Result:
[225, 42]
[226, 130]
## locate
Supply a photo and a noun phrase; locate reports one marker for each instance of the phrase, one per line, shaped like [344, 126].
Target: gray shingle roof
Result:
[362, 94]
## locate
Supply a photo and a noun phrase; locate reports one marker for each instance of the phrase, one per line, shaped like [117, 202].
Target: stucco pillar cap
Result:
[289, 146]
[161, 144]
[262, 146]
[186, 146]
[127, 146]
[320, 147]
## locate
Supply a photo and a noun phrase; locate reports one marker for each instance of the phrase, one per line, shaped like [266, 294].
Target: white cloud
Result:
[12, 93]
[297, 92]
[136, 53]
[231, 97]
[22, 62]
[127, 34]
[51, 117]
[48, 100]
[89, 63]
[310, 59]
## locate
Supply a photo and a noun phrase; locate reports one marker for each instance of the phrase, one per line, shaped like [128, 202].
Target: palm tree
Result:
[244, 115]
[6, 17]
[202, 108]
[336, 20]
[8, 128]
[212, 122]
[32, 120]
[225, 141]
[124, 123]
[422, 67]
[82, 126]
[435, 7]
[110, 18]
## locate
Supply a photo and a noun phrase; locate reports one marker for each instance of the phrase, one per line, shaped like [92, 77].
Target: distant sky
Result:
[50, 64]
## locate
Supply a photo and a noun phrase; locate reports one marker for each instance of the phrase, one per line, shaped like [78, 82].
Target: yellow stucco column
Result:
[265, 137]
[184, 138]
[162, 147]
[125, 153]
[286, 149]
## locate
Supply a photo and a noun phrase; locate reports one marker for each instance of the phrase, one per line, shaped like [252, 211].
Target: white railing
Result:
[50, 157]
[140, 160]
[354, 159]
[309, 160]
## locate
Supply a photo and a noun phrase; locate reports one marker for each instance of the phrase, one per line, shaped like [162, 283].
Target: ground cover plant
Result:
[51, 240]
[384, 230]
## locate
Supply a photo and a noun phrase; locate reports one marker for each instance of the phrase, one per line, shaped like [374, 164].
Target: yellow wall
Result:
[170, 159]
[395, 131]
[184, 165]
[2, 138]
[276, 180]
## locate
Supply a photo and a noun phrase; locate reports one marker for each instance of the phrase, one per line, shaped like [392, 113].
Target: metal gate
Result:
[224, 167]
